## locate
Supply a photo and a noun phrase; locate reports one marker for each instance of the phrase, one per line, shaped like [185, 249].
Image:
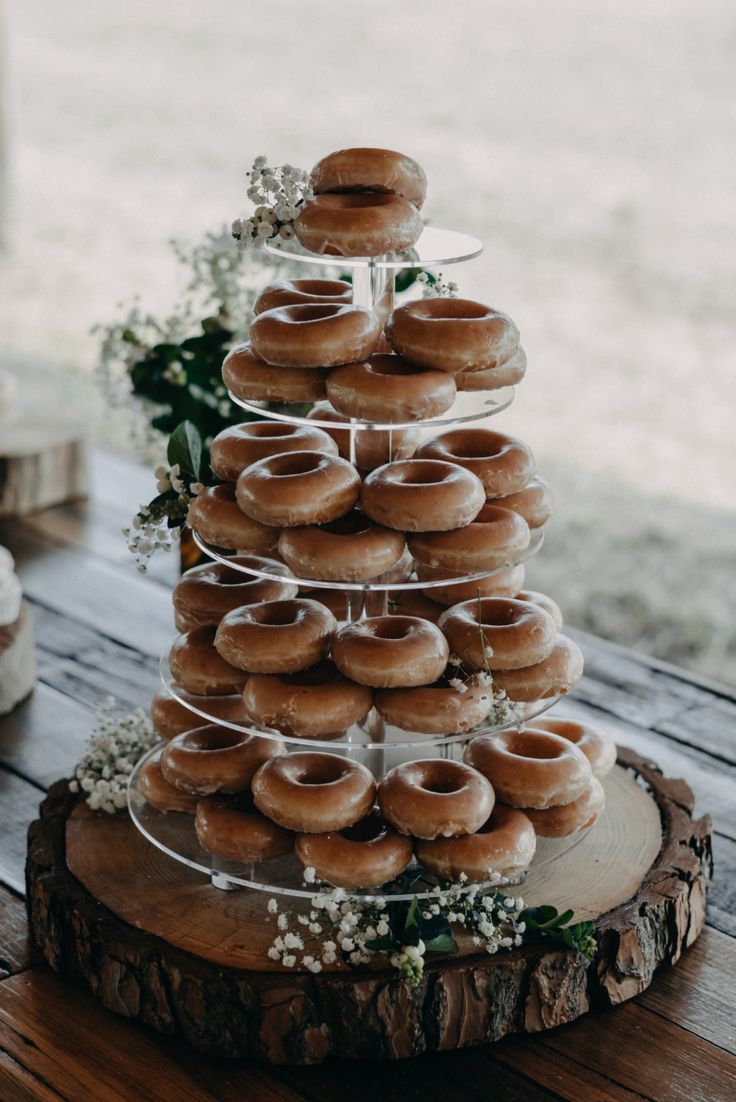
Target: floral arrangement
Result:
[279, 193]
[115, 745]
[354, 929]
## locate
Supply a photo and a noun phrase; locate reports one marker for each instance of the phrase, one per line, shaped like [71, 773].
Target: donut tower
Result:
[358, 684]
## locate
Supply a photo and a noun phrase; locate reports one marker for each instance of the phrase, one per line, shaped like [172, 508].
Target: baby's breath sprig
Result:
[354, 929]
[115, 745]
[436, 287]
[278, 193]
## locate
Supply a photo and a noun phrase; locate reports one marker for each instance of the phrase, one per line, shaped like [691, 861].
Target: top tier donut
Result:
[366, 203]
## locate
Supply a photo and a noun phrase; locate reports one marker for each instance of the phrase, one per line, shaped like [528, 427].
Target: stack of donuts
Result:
[356, 492]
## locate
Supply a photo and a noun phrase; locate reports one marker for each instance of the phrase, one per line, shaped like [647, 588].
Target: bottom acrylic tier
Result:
[173, 833]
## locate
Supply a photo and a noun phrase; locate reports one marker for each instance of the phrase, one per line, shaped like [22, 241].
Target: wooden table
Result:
[100, 627]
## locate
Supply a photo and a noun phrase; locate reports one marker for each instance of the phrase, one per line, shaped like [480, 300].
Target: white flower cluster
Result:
[436, 287]
[348, 923]
[114, 747]
[278, 194]
[149, 531]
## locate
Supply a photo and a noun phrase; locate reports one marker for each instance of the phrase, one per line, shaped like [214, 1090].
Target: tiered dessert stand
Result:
[129, 902]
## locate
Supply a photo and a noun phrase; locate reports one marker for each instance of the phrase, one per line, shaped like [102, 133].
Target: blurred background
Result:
[590, 146]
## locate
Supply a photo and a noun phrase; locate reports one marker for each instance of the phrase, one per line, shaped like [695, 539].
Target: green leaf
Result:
[442, 943]
[382, 945]
[185, 448]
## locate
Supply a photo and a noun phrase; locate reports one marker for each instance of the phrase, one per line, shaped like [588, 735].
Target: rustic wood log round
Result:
[156, 942]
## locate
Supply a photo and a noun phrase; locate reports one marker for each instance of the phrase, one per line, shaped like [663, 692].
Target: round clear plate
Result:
[373, 738]
[376, 585]
[173, 833]
[434, 249]
[496, 401]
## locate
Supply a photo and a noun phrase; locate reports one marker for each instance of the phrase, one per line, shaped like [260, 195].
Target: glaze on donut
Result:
[503, 463]
[205, 593]
[555, 675]
[349, 549]
[529, 768]
[505, 844]
[197, 666]
[495, 538]
[544, 602]
[388, 388]
[435, 798]
[313, 793]
[373, 447]
[566, 819]
[358, 224]
[303, 292]
[171, 718]
[215, 759]
[298, 488]
[231, 828]
[157, 791]
[598, 747]
[276, 636]
[502, 583]
[508, 373]
[452, 334]
[315, 336]
[247, 376]
[391, 651]
[424, 495]
[534, 503]
[318, 703]
[365, 855]
[499, 633]
[438, 709]
[215, 515]
[364, 169]
[235, 448]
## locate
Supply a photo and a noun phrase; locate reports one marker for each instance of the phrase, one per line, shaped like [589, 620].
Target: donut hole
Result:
[354, 200]
[326, 288]
[326, 770]
[317, 311]
[495, 612]
[385, 364]
[443, 309]
[212, 738]
[321, 674]
[352, 524]
[224, 492]
[276, 613]
[392, 627]
[468, 449]
[370, 829]
[295, 463]
[528, 744]
[442, 785]
[424, 473]
[267, 430]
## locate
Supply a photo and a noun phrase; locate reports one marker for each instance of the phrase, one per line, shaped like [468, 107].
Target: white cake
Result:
[17, 658]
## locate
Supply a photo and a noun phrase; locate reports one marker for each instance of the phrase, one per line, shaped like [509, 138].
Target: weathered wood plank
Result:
[58, 1033]
[558, 1072]
[709, 726]
[19, 802]
[17, 1084]
[722, 894]
[45, 736]
[16, 952]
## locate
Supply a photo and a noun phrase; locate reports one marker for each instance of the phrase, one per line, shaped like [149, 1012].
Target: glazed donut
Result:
[555, 675]
[157, 791]
[435, 798]
[276, 636]
[197, 666]
[425, 495]
[229, 827]
[388, 388]
[315, 336]
[171, 718]
[598, 747]
[373, 447]
[566, 819]
[349, 549]
[391, 651]
[530, 768]
[365, 855]
[412, 602]
[364, 169]
[505, 843]
[235, 448]
[508, 373]
[544, 602]
[496, 537]
[313, 793]
[215, 759]
[358, 224]
[502, 463]
[533, 503]
[303, 292]
[324, 411]
[499, 633]
[297, 488]
[316, 703]
[205, 593]
[452, 334]
[440, 709]
[502, 583]
[248, 376]
[215, 515]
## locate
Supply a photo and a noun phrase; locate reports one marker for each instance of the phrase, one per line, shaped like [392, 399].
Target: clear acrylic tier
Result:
[435, 248]
[382, 584]
[173, 833]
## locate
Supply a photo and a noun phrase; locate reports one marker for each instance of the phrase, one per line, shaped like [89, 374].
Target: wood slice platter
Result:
[155, 941]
